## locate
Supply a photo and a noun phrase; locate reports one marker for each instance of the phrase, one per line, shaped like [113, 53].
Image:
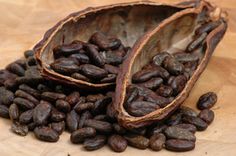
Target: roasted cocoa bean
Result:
[67, 49]
[26, 117]
[59, 127]
[207, 101]
[81, 134]
[174, 132]
[95, 143]
[208, 27]
[94, 55]
[196, 42]
[153, 83]
[19, 129]
[6, 96]
[173, 66]
[46, 134]
[42, 112]
[111, 58]
[187, 111]
[23, 103]
[157, 142]
[137, 141]
[103, 42]
[79, 76]
[30, 90]
[101, 104]
[16, 69]
[6, 75]
[147, 74]
[73, 98]
[63, 106]
[141, 108]
[109, 78]
[84, 106]
[111, 69]
[65, 66]
[206, 115]
[189, 127]
[117, 143]
[165, 91]
[93, 72]
[183, 57]
[23, 94]
[4, 111]
[52, 96]
[160, 57]
[14, 112]
[72, 121]
[199, 123]
[178, 84]
[81, 58]
[179, 145]
[57, 116]
[100, 126]
[84, 116]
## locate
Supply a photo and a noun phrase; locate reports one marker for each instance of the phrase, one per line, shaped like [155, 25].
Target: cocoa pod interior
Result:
[173, 34]
[127, 21]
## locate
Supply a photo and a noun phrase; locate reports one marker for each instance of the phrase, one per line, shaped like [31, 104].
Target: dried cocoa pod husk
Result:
[126, 21]
[176, 32]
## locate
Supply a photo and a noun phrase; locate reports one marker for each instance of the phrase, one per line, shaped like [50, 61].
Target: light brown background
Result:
[22, 24]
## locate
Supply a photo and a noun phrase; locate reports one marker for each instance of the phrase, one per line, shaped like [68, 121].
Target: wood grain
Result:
[23, 22]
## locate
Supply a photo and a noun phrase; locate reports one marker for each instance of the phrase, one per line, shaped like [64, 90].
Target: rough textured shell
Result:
[161, 39]
[127, 21]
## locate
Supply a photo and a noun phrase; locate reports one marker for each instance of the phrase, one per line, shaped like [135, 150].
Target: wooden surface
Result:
[22, 24]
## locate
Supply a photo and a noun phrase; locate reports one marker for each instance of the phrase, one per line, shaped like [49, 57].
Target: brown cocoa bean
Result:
[179, 145]
[101, 104]
[153, 83]
[42, 112]
[6, 96]
[72, 121]
[207, 101]
[119, 129]
[93, 72]
[73, 98]
[206, 115]
[189, 127]
[28, 53]
[111, 69]
[4, 111]
[207, 27]
[67, 49]
[100, 126]
[63, 106]
[196, 42]
[187, 111]
[59, 127]
[57, 116]
[109, 78]
[183, 57]
[94, 97]
[65, 66]
[16, 69]
[95, 143]
[137, 141]
[84, 116]
[117, 143]
[165, 91]
[173, 66]
[94, 55]
[52, 96]
[26, 117]
[178, 84]
[141, 108]
[19, 129]
[81, 134]
[46, 134]
[160, 57]
[174, 132]
[84, 106]
[30, 90]
[14, 112]
[79, 76]
[23, 94]
[199, 123]
[81, 58]
[157, 142]
[23, 103]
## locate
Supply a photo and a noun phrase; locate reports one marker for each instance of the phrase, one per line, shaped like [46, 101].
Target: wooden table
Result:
[23, 22]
